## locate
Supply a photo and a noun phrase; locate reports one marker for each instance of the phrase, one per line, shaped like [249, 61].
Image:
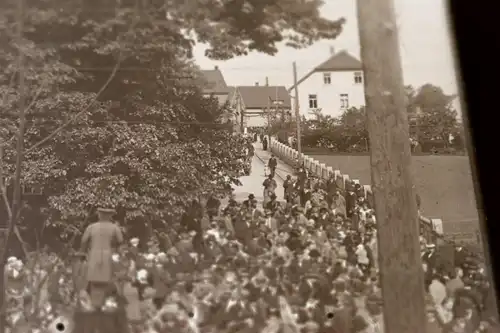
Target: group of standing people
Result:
[263, 139]
[320, 243]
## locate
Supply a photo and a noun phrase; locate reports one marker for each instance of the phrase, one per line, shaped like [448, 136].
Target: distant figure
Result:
[100, 240]
[269, 189]
[264, 143]
[272, 164]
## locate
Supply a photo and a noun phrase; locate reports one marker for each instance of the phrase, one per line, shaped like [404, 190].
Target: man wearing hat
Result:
[248, 202]
[272, 164]
[273, 204]
[100, 240]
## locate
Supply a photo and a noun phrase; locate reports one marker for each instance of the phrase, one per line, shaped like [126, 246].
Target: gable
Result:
[339, 62]
[213, 82]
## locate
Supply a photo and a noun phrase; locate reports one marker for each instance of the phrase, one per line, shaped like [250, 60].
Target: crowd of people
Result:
[304, 259]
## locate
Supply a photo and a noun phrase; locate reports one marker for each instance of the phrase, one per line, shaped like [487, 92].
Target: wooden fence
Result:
[431, 228]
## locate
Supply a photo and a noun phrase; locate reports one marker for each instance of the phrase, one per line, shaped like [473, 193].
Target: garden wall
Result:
[431, 229]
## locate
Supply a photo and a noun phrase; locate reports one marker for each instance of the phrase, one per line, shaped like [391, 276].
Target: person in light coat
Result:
[100, 240]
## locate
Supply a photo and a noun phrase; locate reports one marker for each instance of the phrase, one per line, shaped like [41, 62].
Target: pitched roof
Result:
[259, 97]
[214, 82]
[340, 61]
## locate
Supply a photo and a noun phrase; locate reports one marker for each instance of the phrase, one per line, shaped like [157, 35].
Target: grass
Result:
[444, 184]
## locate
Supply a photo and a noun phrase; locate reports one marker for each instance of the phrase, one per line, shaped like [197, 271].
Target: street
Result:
[253, 183]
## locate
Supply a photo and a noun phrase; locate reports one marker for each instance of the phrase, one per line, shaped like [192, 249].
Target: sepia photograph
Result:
[237, 166]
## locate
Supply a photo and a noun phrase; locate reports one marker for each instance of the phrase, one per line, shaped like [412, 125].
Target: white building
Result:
[333, 86]
[259, 104]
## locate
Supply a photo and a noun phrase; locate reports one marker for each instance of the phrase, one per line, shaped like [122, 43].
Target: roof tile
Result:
[258, 97]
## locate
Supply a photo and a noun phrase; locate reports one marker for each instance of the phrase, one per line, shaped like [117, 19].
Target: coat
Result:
[242, 230]
[267, 197]
[350, 202]
[101, 239]
[273, 163]
[339, 205]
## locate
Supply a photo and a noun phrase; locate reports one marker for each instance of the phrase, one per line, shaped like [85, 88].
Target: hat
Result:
[314, 253]
[251, 196]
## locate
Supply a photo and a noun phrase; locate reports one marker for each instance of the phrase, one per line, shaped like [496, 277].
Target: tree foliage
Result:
[116, 114]
[433, 121]
[347, 133]
[432, 117]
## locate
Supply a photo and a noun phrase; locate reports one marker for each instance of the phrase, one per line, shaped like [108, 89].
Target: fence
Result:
[431, 229]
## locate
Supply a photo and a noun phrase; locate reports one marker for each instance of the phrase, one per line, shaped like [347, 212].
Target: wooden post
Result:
[392, 182]
[297, 111]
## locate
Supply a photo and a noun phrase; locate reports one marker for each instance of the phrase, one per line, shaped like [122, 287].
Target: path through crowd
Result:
[252, 184]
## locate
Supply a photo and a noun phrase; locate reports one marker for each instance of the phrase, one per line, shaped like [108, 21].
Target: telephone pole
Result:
[400, 264]
[297, 111]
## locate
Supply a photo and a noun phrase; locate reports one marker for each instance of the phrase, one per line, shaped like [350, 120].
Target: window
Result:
[313, 101]
[344, 101]
[358, 77]
[327, 78]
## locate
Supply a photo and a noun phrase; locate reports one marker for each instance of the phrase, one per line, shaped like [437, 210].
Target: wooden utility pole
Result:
[297, 111]
[401, 276]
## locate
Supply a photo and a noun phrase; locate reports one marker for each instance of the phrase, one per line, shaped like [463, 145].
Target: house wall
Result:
[255, 118]
[329, 94]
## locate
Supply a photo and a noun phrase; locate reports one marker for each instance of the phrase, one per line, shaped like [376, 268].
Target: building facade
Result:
[332, 87]
[259, 105]
[214, 85]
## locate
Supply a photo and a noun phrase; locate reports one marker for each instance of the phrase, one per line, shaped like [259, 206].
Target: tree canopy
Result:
[116, 114]
[433, 120]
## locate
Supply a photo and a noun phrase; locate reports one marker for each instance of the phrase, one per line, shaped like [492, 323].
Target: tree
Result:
[352, 123]
[116, 115]
[436, 119]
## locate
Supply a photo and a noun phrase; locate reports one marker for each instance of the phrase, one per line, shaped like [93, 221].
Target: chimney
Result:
[256, 84]
[216, 68]
[267, 81]
[332, 50]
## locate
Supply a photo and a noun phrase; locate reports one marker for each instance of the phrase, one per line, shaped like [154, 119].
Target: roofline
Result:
[216, 92]
[339, 70]
[302, 80]
[316, 70]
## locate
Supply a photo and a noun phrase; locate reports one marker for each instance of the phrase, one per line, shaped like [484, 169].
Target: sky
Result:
[426, 49]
